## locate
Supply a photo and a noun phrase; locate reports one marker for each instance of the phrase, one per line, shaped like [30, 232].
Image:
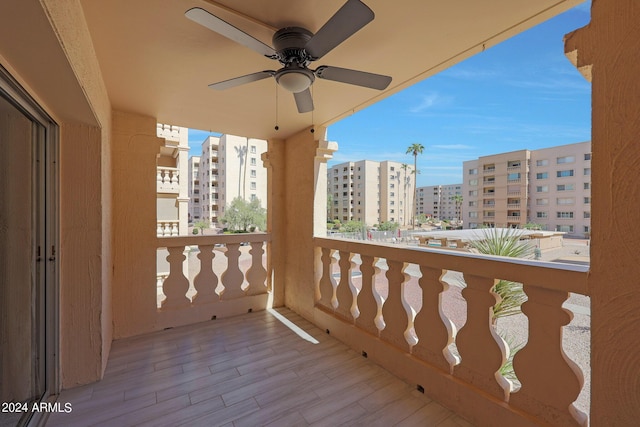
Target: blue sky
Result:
[522, 93]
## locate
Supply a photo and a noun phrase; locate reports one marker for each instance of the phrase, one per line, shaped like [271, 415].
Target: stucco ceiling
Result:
[158, 63]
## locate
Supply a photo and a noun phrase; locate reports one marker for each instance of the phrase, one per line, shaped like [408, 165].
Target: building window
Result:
[253, 185]
[473, 182]
[253, 161]
[253, 149]
[392, 168]
[587, 185]
[392, 186]
[253, 173]
[513, 176]
[565, 201]
[540, 202]
[253, 197]
[544, 162]
[587, 156]
[565, 187]
[542, 188]
[565, 159]
[542, 215]
[564, 228]
[587, 200]
[565, 173]
[564, 215]
[542, 175]
[587, 171]
[586, 215]
[473, 171]
[473, 203]
[473, 214]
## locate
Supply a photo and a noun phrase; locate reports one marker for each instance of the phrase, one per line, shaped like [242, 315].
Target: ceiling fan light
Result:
[295, 81]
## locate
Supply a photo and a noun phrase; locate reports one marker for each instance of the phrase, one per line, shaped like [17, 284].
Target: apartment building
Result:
[370, 192]
[172, 204]
[550, 187]
[230, 166]
[195, 214]
[440, 201]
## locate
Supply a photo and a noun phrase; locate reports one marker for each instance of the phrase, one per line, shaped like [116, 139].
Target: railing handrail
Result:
[567, 277]
[170, 242]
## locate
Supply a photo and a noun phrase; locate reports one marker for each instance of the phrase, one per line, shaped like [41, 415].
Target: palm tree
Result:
[405, 180]
[415, 149]
[457, 199]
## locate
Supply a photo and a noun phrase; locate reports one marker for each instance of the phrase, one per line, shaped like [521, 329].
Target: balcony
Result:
[265, 367]
[168, 180]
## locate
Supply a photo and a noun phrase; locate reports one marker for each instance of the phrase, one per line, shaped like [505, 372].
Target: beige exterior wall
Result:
[371, 192]
[437, 201]
[561, 203]
[541, 194]
[494, 190]
[230, 167]
[194, 190]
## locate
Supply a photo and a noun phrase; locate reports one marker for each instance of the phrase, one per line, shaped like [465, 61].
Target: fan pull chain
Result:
[276, 127]
[312, 120]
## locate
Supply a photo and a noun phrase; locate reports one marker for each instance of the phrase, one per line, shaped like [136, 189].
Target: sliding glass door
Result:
[28, 242]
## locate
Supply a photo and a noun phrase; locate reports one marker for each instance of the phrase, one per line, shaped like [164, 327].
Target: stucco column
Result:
[293, 168]
[324, 153]
[606, 52]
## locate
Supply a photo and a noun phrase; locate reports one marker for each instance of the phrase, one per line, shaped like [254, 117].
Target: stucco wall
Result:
[134, 150]
[607, 50]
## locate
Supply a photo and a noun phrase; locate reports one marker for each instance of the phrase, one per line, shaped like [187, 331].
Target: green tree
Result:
[240, 214]
[422, 219]
[532, 226]
[201, 225]
[388, 226]
[352, 226]
[415, 149]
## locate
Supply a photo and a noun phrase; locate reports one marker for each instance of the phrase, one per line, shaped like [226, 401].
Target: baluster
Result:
[395, 310]
[482, 351]
[344, 292]
[368, 299]
[232, 278]
[159, 231]
[256, 274]
[435, 331]
[205, 281]
[550, 380]
[327, 282]
[174, 177]
[159, 176]
[174, 228]
[176, 285]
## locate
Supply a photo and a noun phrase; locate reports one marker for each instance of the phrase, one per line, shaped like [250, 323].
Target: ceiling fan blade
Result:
[237, 81]
[353, 77]
[304, 101]
[351, 17]
[223, 28]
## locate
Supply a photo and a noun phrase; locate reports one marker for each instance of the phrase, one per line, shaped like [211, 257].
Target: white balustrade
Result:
[168, 180]
[167, 228]
[221, 288]
[550, 381]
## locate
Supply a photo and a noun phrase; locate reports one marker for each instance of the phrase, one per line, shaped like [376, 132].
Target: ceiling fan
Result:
[295, 48]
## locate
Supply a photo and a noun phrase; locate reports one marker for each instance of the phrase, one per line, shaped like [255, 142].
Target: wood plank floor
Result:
[252, 370]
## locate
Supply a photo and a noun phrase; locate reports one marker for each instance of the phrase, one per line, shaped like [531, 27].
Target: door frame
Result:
[45, 137]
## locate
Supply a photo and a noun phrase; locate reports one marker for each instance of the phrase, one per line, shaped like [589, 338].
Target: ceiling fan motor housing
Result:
[290, 45]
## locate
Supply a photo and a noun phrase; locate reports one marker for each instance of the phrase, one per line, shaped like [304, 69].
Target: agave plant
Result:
[504, 242]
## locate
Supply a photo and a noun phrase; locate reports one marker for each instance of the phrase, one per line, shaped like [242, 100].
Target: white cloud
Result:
[430, 100]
